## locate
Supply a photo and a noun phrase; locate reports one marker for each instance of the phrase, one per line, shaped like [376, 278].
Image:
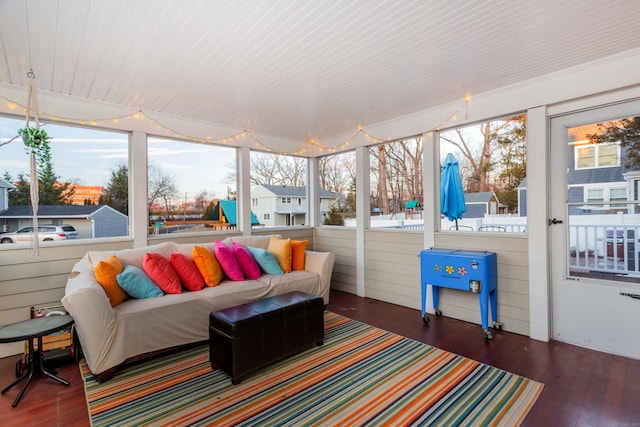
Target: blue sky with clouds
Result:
[88, 156]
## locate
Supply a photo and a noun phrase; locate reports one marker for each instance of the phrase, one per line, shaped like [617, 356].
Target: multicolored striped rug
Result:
[360, 376]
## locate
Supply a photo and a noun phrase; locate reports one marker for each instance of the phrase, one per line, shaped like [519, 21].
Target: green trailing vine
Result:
[37, 141]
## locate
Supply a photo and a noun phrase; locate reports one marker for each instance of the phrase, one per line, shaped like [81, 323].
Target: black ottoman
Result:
[250, 336]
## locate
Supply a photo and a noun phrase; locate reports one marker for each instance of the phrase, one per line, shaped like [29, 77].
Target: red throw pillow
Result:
[187, 271]
[159, 269]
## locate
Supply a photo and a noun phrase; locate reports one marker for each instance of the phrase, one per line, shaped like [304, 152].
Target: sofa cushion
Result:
[135, 282]
[187, 271]
[298, 248]
[281, 250]
[249, 265]
[228, 262]
[159, 269]
[207, 265]
[265, 259]
[106, 272]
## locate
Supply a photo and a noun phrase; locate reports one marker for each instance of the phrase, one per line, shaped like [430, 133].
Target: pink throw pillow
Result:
[247, 263]
[187, 271]
[159, 269]
[227, 261]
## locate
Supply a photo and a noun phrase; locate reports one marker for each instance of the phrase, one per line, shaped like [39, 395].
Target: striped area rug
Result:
[360, 376]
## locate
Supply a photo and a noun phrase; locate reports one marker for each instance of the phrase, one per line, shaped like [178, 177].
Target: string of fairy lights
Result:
[257, 142]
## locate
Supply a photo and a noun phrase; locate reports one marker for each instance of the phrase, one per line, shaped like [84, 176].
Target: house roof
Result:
[5, 184]
[300, 70]
[53, 211]
[229, 210]
[482, 197]
[291, 191]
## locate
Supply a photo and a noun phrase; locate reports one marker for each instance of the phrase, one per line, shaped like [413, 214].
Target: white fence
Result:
[598, 243]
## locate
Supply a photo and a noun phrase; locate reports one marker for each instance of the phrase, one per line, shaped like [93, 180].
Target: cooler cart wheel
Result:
[438, 312]
[425, 319]
[21, 365]
[497, 326]
[487, 335]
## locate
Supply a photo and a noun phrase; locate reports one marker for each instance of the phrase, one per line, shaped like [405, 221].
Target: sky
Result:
[88, 156]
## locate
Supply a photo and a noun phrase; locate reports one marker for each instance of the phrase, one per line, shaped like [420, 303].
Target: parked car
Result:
[45, 233]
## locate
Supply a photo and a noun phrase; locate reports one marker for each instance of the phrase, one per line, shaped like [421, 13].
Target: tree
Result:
[334, 217]
[116, 192]
[627, 132]
[161, 185]
[274, 169]
[21, 194]
[51, 190]
[208, 212]
[481, 147]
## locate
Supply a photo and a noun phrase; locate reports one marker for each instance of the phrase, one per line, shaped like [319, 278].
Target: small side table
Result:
[28, 330]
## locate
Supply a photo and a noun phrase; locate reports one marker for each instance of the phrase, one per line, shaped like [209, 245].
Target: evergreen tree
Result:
[116, 193]
[208, 212]
[334, 217]
[19, 196]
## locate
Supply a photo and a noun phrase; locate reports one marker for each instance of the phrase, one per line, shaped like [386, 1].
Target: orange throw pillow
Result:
[207, 265]
[297, 254]
[281, 250]
[106, 272]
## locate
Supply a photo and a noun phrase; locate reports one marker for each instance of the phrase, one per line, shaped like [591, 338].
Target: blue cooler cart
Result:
[470, 271]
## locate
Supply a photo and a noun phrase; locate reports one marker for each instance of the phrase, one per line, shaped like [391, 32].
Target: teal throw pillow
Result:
[137, 284]
[265, 259]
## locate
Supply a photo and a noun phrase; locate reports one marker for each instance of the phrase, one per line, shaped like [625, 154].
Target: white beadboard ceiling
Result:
[301, 69]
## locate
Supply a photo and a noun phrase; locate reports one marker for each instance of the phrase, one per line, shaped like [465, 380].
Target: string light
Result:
[140, 115]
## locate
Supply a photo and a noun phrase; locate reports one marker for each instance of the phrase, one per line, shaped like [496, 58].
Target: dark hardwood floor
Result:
[582, 387]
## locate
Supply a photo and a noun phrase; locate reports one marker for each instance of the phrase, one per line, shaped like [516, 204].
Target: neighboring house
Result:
[522, 198]
[595, 174]
[4, 194]
[479, 204]
[285, 205]
[226, 212]
[91, 221]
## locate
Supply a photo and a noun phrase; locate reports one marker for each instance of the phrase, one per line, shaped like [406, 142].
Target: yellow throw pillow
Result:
[208, 265]
[281, 250]
[297, 254]
[106, 272]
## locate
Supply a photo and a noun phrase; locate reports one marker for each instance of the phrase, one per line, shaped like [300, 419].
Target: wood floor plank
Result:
[582, 386]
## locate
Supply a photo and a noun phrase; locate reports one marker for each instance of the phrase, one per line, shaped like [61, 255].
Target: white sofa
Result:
[111, 335]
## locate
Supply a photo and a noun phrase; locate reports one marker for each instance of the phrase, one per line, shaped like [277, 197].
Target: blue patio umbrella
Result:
[452, 203]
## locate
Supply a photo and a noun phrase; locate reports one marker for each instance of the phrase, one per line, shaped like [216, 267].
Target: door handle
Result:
[555, 221]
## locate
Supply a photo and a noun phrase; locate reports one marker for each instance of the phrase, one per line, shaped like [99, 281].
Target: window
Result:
[492, 158]
[191, 187]
[338, 189]
[595, 195]
[396, 184]
[597, 156]
[87, 167]
[617, 194]
[254, 202]
[278, 179]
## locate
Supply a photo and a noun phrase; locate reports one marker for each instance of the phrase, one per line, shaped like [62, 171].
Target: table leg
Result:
[28, 375]
[43, 369]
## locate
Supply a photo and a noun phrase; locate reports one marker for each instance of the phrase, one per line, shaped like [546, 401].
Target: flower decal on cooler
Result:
[437, 268]
[449, 269]
[462, 271]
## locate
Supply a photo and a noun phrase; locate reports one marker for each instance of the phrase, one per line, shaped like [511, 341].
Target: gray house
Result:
[479, 204]
[91, 221]
[4, 194]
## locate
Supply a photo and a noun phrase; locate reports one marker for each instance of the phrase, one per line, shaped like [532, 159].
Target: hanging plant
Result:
[37, 141]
